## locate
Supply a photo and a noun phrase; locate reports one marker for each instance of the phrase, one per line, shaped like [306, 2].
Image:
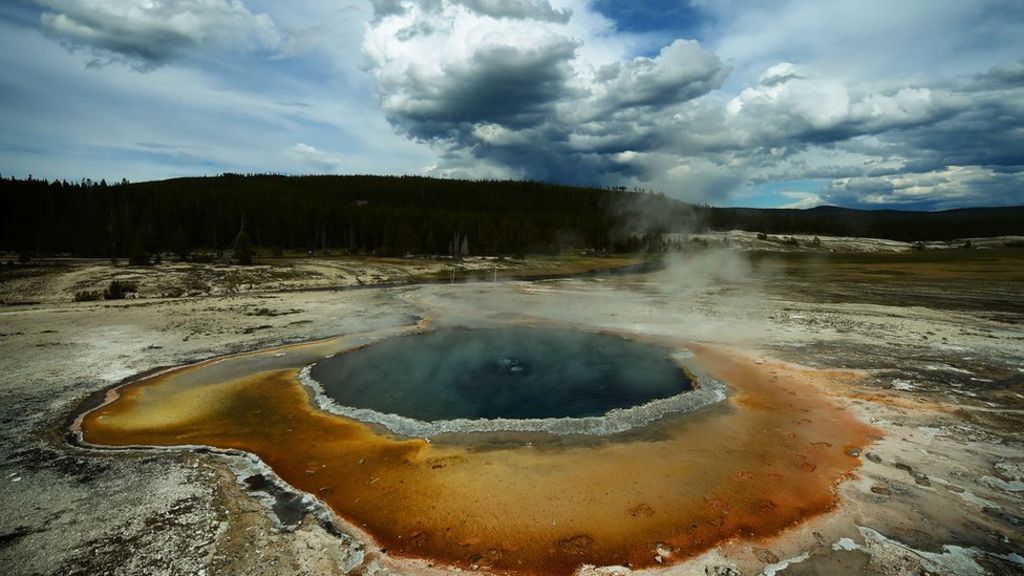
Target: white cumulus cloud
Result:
[316, 158]
[527, 93]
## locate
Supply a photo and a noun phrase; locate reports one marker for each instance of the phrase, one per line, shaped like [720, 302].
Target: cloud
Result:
[945, 188]
[918, 103]
[681, 71]
[151, 33]
[531, 97]
[798, 123]
[497, 84]
[382, 8]
[865, 43]
[521, 9]
[69, 121]
[1007, 76]
[788, 103]
[795, 104]
[540, 10]
[318, 159]
[801, 199]
[520, 96]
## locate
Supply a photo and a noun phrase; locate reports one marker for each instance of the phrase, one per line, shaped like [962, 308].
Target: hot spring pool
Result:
[514, 373]
[503, 465]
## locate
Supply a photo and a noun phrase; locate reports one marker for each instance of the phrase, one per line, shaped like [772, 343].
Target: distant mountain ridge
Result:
[908, 226]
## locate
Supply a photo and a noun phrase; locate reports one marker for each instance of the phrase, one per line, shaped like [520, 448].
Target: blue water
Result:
[512, 372]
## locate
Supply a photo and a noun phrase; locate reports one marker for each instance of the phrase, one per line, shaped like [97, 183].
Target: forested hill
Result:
[891, 224]
[394, 216]
[354, 214]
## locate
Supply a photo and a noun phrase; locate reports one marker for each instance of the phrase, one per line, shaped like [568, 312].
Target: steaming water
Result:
[517, 373]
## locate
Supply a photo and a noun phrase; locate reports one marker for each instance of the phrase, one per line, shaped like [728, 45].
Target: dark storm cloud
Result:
[937, 144]
[503, 85]
[531, 112]
[646, 121]
[986, 129]
[977, 126]
[1008, 76]
[145, 47]
[535, 113]
[977, 122]
[941, 189]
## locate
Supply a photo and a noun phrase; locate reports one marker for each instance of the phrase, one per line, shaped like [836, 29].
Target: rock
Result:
[920, 478]
[577, 545]
[873, 457]
[1000, 484]
[721, 570]
[1011, 470]
[1005, 516]
[881, 489]
[766, 556]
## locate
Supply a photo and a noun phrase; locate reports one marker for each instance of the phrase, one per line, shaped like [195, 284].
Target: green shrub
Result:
[119, 289]
[88, 295]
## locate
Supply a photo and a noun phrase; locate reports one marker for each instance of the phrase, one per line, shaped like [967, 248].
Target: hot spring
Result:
[506, 373]
[383, 428]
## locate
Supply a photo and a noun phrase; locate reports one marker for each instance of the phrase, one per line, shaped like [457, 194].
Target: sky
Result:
[913, 104]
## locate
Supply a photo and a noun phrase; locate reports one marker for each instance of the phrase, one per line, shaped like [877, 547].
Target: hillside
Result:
[395, 216]
[888, 224]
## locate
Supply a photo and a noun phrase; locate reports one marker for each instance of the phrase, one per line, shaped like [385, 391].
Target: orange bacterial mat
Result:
[764, 460]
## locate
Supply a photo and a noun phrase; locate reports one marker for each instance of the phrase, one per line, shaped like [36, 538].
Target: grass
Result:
[955, 265]
[536, 267]
[530, 267]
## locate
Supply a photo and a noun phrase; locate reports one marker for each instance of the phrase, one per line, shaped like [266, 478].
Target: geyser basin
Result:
[509, 373]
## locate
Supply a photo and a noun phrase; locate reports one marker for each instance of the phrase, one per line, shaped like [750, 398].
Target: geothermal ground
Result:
[921, 350]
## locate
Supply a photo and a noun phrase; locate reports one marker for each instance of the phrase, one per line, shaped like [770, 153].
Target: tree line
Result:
[373, 215]
[907, 226]
[397, 216]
